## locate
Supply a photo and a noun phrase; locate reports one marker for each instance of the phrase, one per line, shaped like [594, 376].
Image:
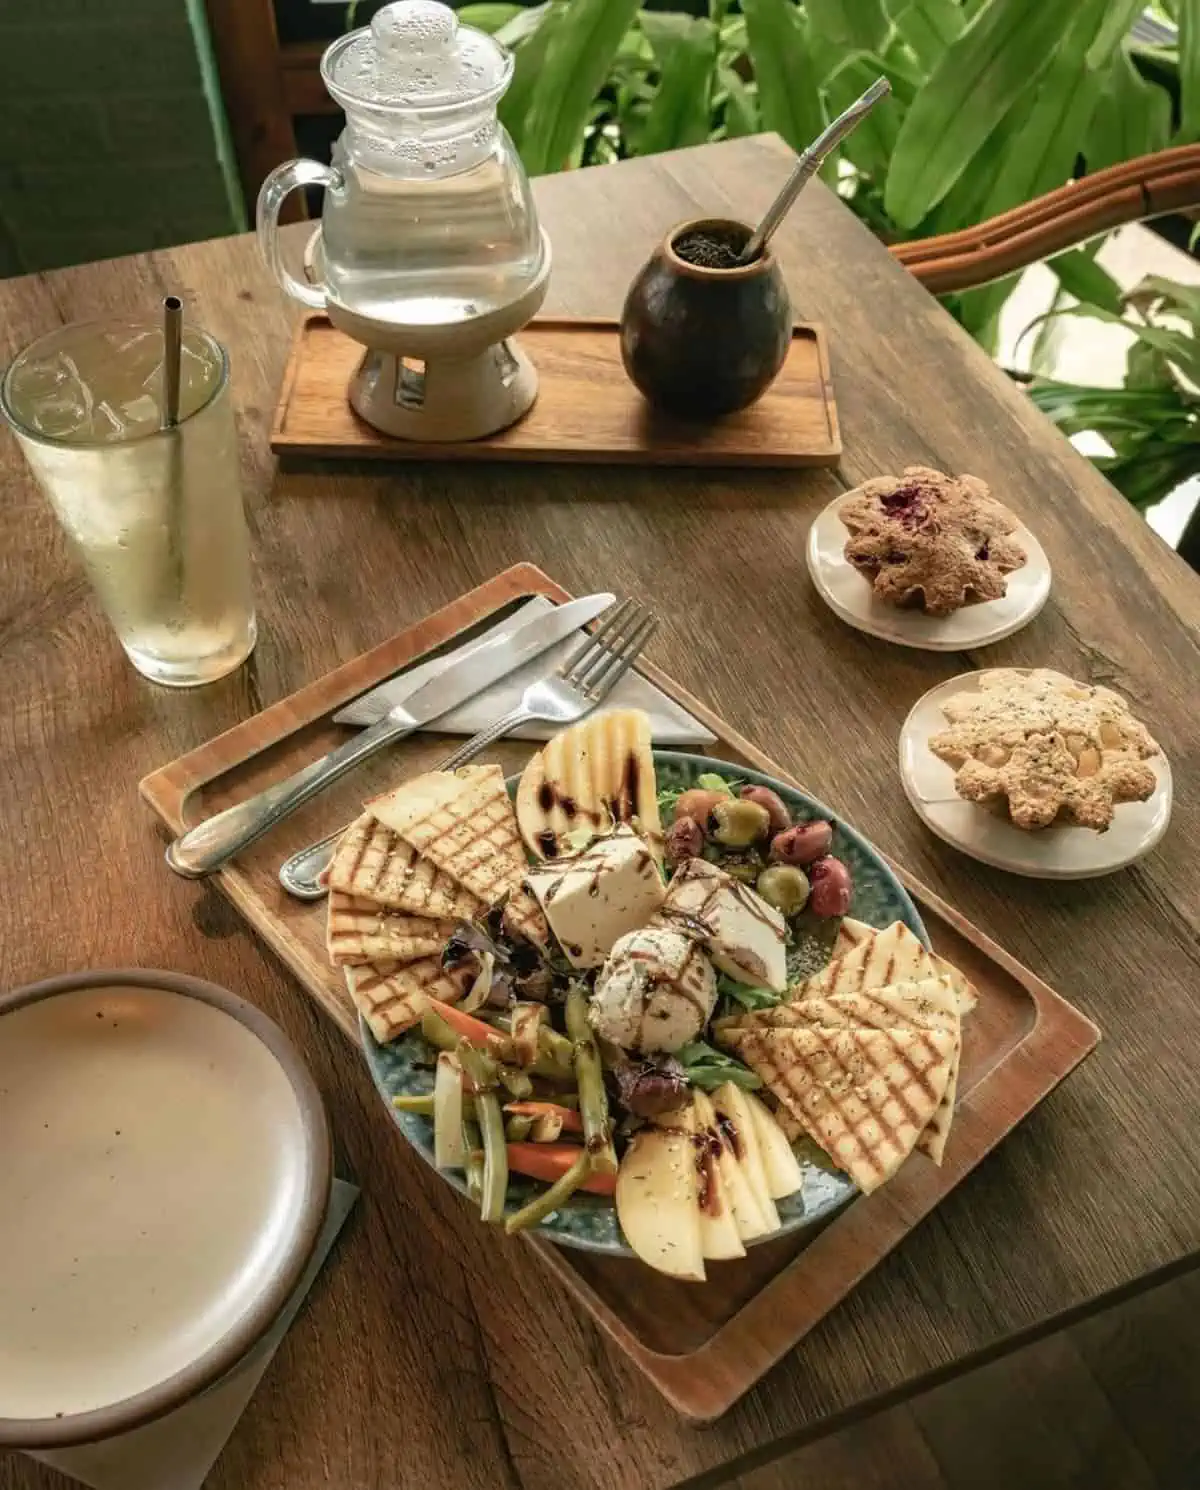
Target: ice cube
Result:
[53, 398]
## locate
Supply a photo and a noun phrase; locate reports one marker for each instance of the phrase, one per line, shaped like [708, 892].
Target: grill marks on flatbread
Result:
[373, 863]
[851, 933]
[440, 849]
[883, 999]
[392, 996]
[462, 823]
[362, 931]
[865, 1095]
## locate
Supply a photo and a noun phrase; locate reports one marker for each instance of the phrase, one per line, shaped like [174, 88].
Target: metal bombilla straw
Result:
[809, 163]
[172, 367]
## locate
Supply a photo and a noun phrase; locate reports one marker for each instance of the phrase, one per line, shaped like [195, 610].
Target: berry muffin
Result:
[930, 541]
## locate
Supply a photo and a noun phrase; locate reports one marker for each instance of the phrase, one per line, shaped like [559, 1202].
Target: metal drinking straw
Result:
[809, 163]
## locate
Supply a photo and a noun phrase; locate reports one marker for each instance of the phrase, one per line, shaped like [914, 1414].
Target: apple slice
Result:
[719, 1237]
[658, 1202]
[747, 1213]
[738, 1124]
[784, 1175]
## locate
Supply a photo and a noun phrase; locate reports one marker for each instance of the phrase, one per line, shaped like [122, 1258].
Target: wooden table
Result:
[423, 1358]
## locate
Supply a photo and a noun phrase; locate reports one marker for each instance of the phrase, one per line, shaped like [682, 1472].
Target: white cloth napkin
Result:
[178, 1451]
[671, 724]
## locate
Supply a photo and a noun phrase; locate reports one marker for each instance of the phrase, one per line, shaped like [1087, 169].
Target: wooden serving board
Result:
[702, 1345]
[586, 409]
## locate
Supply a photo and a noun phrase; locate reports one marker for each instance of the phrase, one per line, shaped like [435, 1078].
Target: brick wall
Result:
[111, 135]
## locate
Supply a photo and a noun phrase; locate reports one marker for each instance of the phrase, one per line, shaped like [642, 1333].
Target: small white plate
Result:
[166, 1170]
[1055, 853]
[851, 597]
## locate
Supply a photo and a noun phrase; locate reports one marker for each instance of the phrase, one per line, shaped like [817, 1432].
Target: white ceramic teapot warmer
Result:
[429, 250]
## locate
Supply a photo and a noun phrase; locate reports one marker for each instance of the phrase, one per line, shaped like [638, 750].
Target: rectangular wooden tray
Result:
[586, 409]
[702, 1345]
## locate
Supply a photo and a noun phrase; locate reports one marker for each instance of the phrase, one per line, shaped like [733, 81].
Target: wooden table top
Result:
[411, 1363]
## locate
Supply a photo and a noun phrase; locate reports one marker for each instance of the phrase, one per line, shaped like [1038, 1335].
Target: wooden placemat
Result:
[702, 1345]
[586, 409]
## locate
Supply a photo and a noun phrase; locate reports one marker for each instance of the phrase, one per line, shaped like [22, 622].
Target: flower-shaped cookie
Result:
[930, 540]
[1050, 747]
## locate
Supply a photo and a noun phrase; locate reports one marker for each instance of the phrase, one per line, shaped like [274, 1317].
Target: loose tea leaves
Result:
[708, 250]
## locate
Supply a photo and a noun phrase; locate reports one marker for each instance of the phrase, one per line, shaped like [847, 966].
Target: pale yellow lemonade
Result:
[156, 515]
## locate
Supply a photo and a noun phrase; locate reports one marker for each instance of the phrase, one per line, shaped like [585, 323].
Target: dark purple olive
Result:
[780, 817]
[832, 887]
[803, 844]
[685, 840]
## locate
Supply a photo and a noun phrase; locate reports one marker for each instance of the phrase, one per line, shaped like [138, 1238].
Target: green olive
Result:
[745, 866]
[738, 824]
[784, 887]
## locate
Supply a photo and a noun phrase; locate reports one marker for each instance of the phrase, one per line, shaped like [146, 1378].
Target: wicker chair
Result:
[1149, 186]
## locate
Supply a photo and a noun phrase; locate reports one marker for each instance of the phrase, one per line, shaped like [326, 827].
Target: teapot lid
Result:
[415, 55]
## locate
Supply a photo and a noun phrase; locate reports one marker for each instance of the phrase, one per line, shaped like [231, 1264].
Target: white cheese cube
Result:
[596, 897]
[744, 935]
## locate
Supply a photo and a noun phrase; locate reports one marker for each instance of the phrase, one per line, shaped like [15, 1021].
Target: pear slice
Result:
[658, 1201]
[782, 1168]
[748, 1215]
[738, 1127]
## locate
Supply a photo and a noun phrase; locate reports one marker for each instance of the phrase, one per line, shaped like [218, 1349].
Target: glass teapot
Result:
[428, 217]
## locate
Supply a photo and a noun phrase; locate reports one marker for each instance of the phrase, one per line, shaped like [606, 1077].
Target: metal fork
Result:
[574, 689]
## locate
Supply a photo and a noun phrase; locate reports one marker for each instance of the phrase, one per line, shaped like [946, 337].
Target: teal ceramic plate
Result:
[590, 1221]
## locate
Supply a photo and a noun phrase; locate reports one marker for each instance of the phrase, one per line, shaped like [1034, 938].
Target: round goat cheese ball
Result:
[655, 992]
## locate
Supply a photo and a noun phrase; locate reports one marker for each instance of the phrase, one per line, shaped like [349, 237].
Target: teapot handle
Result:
[279, 183]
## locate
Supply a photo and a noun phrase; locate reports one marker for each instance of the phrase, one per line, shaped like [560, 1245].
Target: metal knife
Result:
[370, 707]
[215, 841]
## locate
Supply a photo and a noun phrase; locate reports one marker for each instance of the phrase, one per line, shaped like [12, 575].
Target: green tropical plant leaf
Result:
[681, 112]
[1188, 16]
[870, 147]
[927, 27]
[583, 41]
[1080, 275]
[489, 17]
[1133, 116]
[1146, 367]
[1179, 348]
[523, 24]
[1044, 139]
[1002, 53]
[1156, 294]
[788, 98]
[979, 311]
[528, 62]
[741, 105]
[860, 25]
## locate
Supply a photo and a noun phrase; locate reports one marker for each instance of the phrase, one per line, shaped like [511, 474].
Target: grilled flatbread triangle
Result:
[392, 996]
[852, 932]
[462, 823]
[373, 863]
[361, 931]
[864, 1095]
[525, 919]
[893, 955]
[928, 1004]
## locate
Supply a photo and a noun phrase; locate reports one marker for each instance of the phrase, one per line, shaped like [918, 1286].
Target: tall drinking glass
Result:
[155, 514]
